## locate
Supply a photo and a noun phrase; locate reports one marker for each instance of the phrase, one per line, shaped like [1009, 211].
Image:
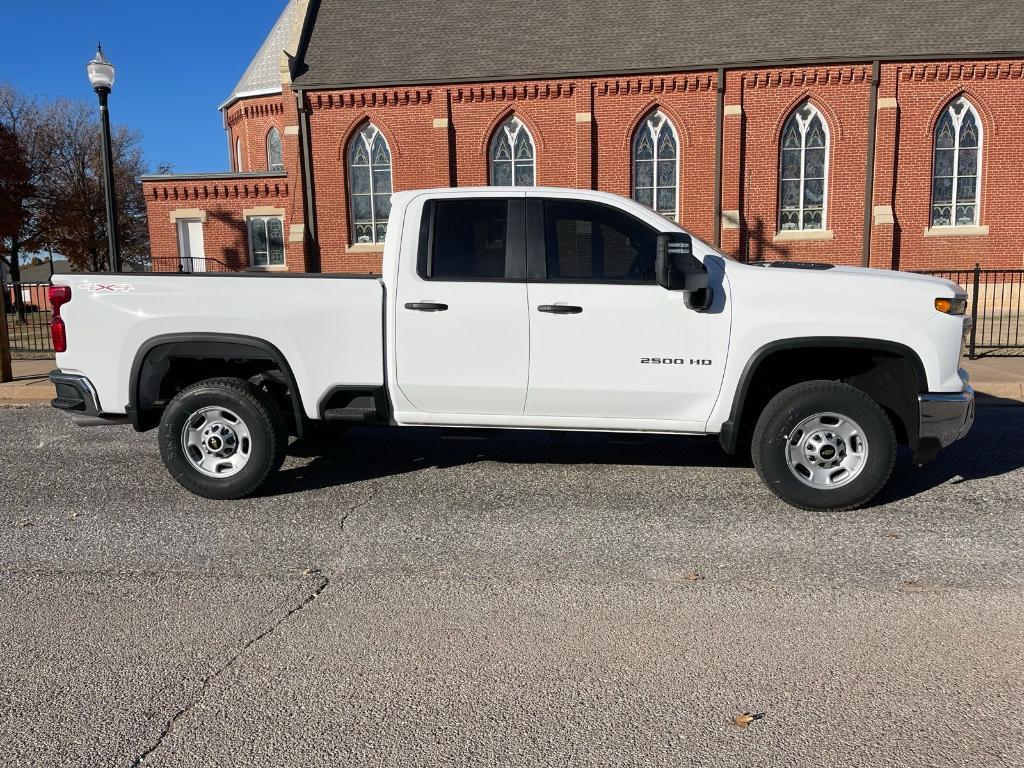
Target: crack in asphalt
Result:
[324, 582]
[356, 507]
[210, 678]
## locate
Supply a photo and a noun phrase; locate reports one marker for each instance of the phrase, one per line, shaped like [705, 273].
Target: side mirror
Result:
[678, 270]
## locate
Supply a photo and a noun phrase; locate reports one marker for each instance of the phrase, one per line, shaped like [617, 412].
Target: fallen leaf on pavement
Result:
[694, 576]
[746, 718]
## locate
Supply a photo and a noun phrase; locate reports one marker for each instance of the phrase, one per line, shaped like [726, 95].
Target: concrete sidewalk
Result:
[992, 377]
[997, 376]
[30, 383]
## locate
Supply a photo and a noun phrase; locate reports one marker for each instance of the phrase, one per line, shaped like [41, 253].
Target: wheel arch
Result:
[738, 420]
[145, 376]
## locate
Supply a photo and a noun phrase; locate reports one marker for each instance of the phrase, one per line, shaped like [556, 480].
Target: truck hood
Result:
[830, 270]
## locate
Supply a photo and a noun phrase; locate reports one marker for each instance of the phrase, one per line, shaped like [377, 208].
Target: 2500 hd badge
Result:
[673, 361]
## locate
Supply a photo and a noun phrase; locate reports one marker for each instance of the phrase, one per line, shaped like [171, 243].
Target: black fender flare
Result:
[208, 345]
[729, 433]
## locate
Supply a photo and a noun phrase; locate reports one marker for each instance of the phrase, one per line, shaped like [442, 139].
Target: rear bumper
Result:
[945, 417]
[77, 396]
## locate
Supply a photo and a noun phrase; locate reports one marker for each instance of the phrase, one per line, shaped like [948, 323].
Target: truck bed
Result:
[328, 327]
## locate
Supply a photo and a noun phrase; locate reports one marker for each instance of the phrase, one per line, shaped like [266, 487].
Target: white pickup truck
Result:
[547, 309]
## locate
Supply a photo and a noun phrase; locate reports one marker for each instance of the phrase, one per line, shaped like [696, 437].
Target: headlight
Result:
[954, 306]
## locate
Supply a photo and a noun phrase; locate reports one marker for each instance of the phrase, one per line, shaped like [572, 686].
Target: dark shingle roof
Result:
[371, 42]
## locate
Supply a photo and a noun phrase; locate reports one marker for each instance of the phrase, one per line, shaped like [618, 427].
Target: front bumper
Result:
[77, 396]
[944, 418]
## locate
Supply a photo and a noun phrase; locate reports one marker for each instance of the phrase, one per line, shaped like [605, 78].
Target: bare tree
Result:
[74, 211]
[27, 159]
[55, 196]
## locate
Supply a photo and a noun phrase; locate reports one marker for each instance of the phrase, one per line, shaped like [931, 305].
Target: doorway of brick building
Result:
[191, 252]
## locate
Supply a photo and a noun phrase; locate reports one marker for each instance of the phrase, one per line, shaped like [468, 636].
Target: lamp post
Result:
[101, 76]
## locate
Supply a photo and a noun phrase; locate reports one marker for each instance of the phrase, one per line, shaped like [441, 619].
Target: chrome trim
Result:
[946, 416]
[82, 385]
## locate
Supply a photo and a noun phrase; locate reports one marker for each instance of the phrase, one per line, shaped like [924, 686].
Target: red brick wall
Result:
[582, 130]
[249, 121]
[224, 231]
[996, 89]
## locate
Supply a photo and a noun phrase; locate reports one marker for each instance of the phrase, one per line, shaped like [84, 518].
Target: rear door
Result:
[462, 328]
[607, 342]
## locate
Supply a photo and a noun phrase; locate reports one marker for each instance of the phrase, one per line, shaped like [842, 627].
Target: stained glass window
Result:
[513, 161]
[803, 164]
[369, 185]
[656, 165]
[955, 166]
[266, 240]
[275, 159]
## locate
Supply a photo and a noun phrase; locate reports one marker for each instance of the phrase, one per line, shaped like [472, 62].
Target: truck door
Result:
[462, 328]
[606, 341]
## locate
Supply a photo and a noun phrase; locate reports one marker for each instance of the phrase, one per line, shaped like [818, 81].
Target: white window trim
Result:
[957, 122]
[803, 169]
[646, 125]
[264, 214]
[351, 194]
[270, 165]
[503, 127]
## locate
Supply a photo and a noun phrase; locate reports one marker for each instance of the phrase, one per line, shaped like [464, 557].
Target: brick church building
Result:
[854, 131]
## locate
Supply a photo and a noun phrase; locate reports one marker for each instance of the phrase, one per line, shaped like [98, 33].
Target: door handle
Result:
[426, 306]
[560, 309]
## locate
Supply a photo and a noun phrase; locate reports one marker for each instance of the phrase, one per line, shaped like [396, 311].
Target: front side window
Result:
[266, 240]
[955, 166]
[468, 240]
[275, 159]
[593, 242]
[369, 181]
[656, 165]
[804, 170]
[238, 155]
[513, 158]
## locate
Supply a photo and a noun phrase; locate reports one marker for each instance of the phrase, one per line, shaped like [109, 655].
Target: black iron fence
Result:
[186, 264]
[994, 298]
[27, 314]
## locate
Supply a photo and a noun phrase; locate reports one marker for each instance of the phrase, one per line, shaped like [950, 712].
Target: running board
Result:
[351, 413]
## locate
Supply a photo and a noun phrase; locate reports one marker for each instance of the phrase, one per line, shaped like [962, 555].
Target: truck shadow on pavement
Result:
[359, 455]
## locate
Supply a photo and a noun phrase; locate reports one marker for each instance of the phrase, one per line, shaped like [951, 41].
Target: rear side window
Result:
[469, 240]
[593, 242]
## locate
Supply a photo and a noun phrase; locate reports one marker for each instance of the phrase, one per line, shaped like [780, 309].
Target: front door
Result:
[191, 251]
[606, 341]
[462, 331]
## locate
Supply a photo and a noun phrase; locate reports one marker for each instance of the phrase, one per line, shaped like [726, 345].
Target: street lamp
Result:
[101, 76]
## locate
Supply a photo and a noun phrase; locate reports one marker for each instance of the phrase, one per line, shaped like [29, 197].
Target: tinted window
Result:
[589, 241]
[469, 240]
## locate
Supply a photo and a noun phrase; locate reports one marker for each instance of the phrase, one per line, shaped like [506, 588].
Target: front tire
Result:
[222, 438]
[824, 445]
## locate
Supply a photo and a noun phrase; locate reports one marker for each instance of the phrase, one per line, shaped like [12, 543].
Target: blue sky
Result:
[176, 61]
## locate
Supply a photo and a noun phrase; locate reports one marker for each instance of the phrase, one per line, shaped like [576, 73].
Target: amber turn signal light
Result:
[955, 306]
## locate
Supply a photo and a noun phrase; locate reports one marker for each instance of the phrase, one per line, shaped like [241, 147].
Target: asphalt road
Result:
[524, 600]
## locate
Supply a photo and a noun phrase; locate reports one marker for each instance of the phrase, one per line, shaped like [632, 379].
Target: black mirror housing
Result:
[678, 270]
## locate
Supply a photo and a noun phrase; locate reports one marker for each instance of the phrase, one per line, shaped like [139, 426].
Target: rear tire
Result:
[824, 445]
[222, 438]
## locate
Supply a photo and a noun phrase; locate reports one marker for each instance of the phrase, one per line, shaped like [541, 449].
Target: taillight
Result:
[59, 296]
